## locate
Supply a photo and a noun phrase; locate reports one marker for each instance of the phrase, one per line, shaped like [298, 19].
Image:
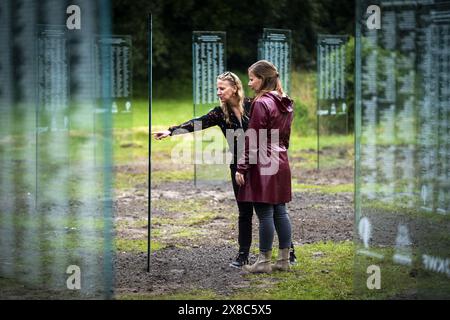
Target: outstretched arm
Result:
[161, 134]
[210, 119]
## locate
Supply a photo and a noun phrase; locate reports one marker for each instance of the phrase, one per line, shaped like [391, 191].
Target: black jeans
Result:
[245, 217]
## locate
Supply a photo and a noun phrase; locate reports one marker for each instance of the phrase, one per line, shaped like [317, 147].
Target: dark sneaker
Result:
[292, 258]
[241, 259]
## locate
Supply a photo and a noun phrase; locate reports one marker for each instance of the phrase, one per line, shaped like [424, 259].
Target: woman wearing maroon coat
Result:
[263, 171]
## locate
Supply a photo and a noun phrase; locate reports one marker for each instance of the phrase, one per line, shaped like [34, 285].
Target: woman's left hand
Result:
[240, 179]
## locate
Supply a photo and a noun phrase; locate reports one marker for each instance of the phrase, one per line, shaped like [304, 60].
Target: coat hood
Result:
[284, 104]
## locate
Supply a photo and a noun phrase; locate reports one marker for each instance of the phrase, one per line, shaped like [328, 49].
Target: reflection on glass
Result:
[55, 155]
[402, 141]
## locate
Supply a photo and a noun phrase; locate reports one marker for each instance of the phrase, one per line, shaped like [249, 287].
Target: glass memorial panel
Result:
[332, 102]
[56, 157]
[211, 155]
[119, 68]
[275, 46]
[116, 67]
[402, 130]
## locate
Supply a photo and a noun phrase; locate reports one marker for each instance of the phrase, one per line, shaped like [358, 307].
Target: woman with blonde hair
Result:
[266, 181]
[232, 114]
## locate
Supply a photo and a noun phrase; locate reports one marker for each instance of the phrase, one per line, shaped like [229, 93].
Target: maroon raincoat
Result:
[265, 163]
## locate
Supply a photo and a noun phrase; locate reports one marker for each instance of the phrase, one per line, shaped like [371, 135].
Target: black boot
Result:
[292, 257]
[241, 259]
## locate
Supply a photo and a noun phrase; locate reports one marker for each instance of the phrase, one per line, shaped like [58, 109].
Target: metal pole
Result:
[318, 136]
[194, 85]
[346, 122]
[317, 98]
[105, 29]
[149, 138]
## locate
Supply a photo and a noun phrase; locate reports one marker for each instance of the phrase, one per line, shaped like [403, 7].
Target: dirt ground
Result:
[202, 262]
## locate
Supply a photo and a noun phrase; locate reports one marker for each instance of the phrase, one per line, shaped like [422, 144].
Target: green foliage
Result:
[323, 188]
[174, 21]
[191, 212]
[396, 279]
[303, 91]
[306, 146]
[136, 245]
[127, 181]
[173, 175]
[350, 81]
[324, 271]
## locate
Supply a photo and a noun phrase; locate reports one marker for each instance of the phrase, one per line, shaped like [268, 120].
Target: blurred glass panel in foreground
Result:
[55, 153]
[403, 176]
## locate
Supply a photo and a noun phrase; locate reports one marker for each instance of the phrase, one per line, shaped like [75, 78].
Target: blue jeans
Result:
[273, 217]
